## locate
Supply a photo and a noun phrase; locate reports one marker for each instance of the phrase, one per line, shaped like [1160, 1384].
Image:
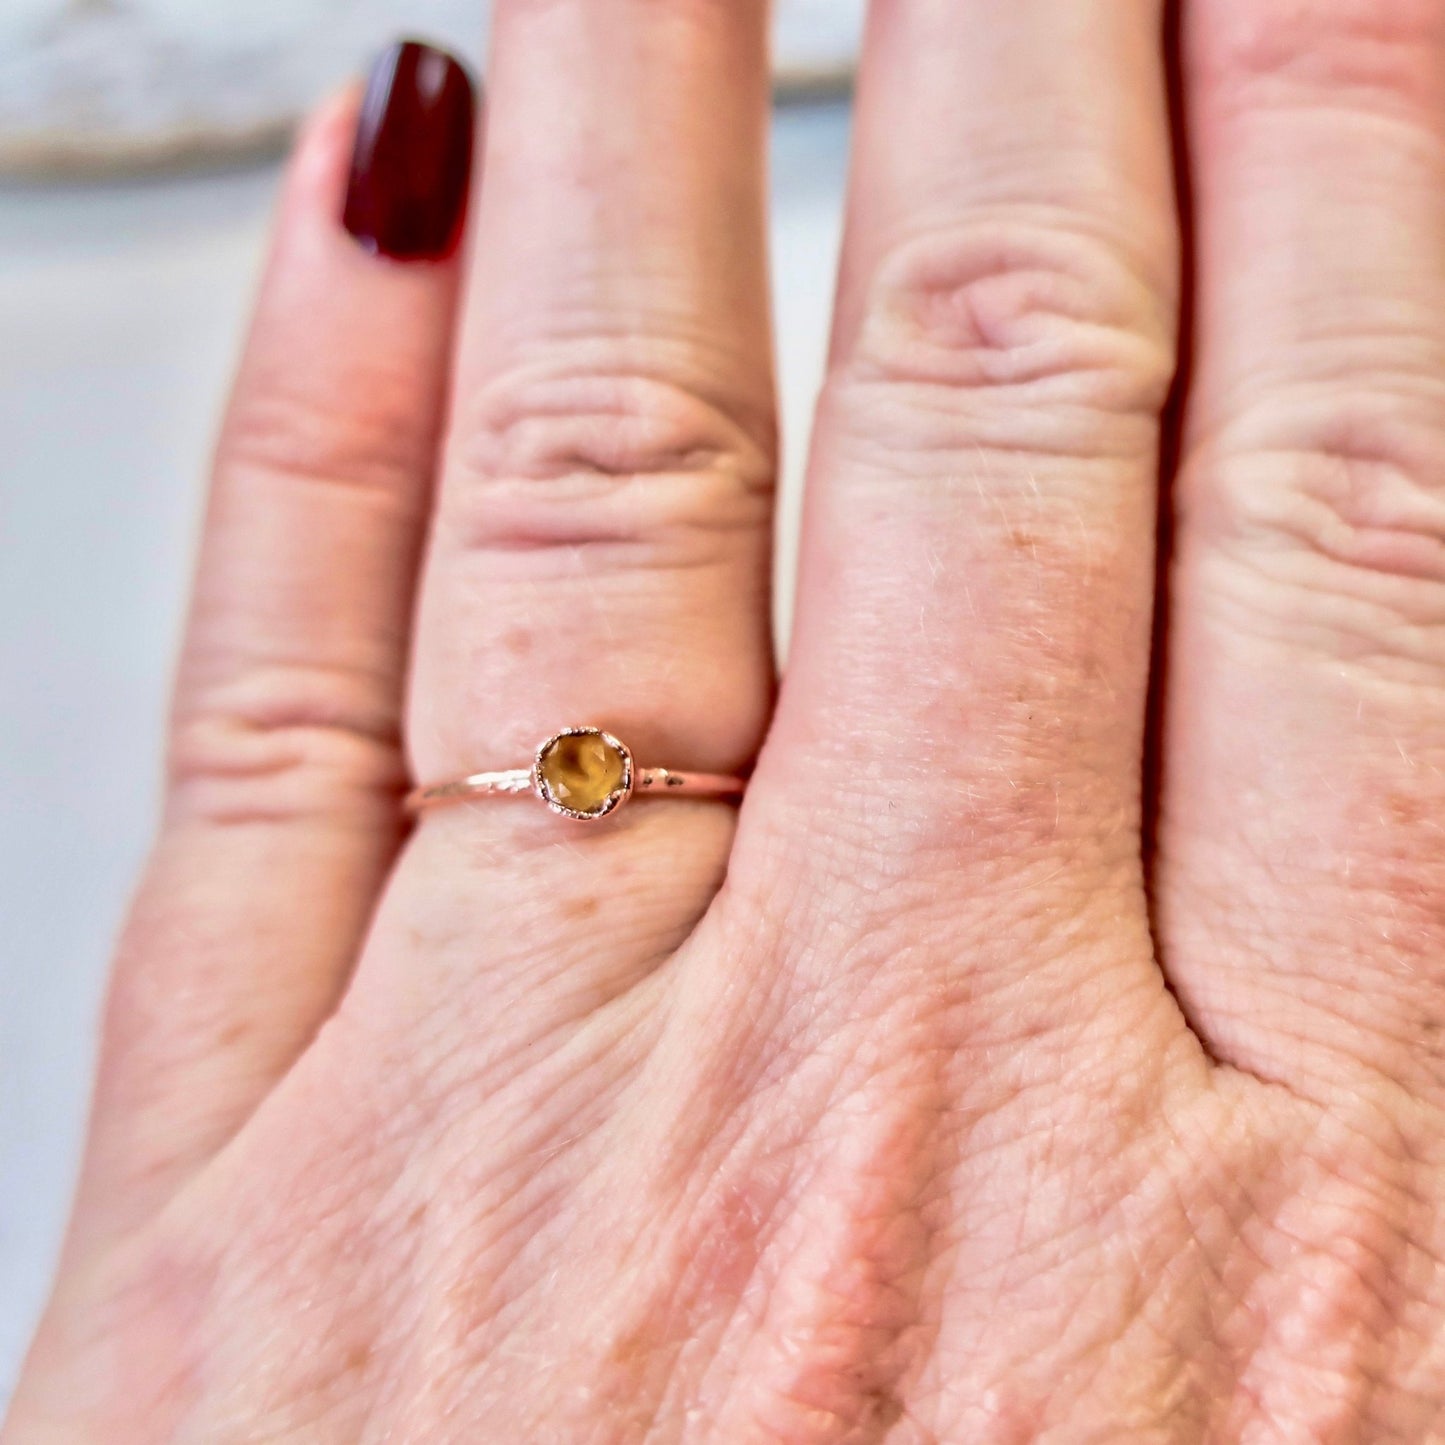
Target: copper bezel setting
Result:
[614, 800]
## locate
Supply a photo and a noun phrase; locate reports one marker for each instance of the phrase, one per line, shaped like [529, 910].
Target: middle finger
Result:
[965, 699]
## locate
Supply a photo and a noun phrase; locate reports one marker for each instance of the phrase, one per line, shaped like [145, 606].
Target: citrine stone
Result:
[581, 771]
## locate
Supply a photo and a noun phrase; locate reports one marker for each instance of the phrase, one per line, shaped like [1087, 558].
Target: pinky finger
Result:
[281, 817]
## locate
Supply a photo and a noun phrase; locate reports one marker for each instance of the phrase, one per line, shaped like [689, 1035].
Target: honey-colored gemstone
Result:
[581, 771]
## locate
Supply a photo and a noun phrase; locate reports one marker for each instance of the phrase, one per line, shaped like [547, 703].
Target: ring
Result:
[583, 773]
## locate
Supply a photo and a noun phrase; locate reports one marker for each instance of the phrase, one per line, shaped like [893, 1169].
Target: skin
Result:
[982, 1080]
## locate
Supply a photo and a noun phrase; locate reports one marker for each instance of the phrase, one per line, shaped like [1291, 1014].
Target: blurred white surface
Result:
[121, 308]
[93, 83]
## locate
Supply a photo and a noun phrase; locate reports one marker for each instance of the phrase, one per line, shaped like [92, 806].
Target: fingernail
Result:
[409, 172]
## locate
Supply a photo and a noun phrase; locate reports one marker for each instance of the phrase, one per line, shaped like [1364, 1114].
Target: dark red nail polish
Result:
[413, 158]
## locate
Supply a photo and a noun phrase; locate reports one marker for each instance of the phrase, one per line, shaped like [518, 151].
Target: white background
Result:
[121, 308]
[77, 76]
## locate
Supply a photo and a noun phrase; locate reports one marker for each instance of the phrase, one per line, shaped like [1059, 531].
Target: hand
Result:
[958, 1088]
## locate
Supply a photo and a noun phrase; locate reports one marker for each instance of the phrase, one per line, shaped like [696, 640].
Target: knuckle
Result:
[628, 465]
[1379, 49]
[1017, 335]
[278, 430]
[1339, 530]
[277, 743]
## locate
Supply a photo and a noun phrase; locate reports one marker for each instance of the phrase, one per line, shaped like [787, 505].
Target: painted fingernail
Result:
[409, 172]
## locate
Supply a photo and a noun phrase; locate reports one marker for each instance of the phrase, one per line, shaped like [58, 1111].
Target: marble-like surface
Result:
[103, 83]
[121, 308]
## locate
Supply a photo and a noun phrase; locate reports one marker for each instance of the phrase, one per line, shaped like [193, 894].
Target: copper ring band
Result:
[582, 773]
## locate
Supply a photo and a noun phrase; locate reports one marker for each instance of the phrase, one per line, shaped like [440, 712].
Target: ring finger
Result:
[600, 553]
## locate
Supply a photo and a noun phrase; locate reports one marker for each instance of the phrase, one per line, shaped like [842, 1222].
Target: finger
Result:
[1300, 845]
[601, 550]
[282, 813]
[601, 547]
[965, 692]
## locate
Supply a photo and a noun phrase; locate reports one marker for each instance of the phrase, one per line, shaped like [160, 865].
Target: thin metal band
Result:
[660, 782]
